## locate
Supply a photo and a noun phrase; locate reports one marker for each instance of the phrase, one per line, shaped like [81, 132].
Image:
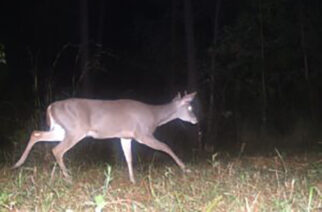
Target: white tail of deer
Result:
[72, 120]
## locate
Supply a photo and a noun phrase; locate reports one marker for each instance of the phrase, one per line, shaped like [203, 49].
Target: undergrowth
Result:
[216, 183]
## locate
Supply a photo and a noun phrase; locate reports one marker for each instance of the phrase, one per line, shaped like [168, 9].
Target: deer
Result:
[73, 119]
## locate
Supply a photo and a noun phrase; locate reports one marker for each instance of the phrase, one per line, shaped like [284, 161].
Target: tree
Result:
[189, 30]
[84, 78]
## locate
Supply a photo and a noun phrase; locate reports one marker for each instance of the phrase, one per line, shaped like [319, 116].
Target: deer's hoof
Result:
[68, 179]
[186, 170]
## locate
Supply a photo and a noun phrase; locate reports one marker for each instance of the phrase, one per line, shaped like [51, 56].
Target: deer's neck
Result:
[165, 113]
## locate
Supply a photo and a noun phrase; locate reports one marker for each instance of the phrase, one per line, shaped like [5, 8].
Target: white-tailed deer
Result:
[74, 119]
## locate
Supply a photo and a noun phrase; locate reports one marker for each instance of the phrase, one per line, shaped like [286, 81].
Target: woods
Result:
[255, 64]
[261, 67]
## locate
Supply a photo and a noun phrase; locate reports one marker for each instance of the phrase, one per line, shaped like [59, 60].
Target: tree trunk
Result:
[101, 22]
[191, 63]
[313, 110]
[84, 81]
[210, 132]
[171, 77]
[263, 77]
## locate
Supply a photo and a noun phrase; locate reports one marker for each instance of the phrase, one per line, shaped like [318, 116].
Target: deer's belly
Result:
[110, 134]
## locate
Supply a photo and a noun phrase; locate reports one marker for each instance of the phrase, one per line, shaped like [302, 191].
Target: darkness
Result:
[256, 66]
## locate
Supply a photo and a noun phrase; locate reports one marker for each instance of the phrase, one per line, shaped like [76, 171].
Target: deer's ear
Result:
[186, 99]
[178, 97]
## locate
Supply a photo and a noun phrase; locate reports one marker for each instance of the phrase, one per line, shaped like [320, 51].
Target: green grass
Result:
[217, 183]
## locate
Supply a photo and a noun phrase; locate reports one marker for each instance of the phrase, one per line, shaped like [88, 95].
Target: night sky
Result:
[255, 64]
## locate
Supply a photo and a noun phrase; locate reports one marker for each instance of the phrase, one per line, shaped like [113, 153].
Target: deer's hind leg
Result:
[69, 141]
[54, 135]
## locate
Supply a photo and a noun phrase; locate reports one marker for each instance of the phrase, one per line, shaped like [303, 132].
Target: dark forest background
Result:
[256, 65]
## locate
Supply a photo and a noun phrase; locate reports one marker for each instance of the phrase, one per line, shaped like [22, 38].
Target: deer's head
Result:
[184, 107]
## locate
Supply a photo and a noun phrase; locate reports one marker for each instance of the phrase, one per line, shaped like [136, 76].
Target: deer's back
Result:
[104, 117]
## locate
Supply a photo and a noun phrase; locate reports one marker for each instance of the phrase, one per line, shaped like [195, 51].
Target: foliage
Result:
[2, 54]
[292, 89]
[238, 53]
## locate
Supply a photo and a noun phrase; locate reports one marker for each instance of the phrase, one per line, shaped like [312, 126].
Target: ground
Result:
[218, 182]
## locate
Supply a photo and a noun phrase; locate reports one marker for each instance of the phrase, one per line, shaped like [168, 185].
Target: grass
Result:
[216, 183]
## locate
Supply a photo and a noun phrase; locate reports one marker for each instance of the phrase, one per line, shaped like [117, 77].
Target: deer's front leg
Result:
[157, 145]
[126, 146]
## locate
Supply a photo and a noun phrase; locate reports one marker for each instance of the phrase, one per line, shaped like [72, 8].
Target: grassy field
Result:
[217, 182]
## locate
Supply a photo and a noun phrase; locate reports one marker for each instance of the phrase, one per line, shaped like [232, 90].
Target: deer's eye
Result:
[190, 108]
